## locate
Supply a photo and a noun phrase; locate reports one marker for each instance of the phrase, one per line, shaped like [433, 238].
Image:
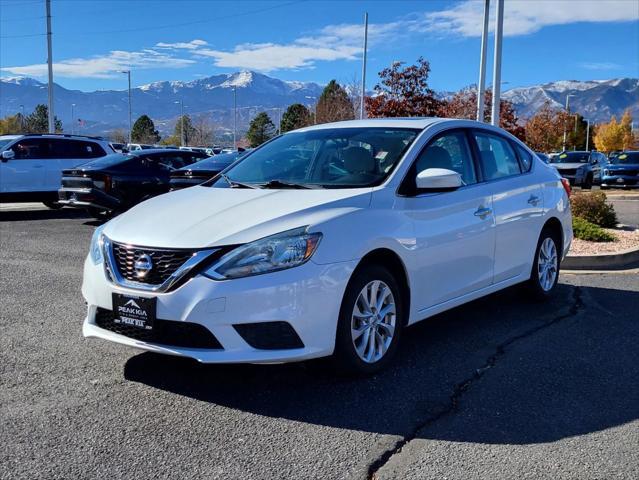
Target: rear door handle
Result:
[534, 200]
[483, 212]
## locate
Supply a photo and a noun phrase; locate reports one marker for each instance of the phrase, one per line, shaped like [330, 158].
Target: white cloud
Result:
[523, 17]
[600, 66]
[105, 66]
[192, 45]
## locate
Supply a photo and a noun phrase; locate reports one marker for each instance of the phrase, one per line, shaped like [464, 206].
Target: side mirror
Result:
[8, 155]
[438, 179]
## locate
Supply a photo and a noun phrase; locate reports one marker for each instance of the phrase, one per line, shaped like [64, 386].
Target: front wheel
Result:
[370, 323]
[587, 185]
[545, 270]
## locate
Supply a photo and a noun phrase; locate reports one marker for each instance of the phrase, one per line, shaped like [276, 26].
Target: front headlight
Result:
[96, 245]
[278, 252]
[606, 172]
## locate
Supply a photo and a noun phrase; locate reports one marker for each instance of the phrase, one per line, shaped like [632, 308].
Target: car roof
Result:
[397, 122]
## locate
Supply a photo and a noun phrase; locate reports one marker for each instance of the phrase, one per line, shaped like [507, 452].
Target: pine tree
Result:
[189, 130]
[38, 121]
[260, 130]
[334, 104]
[144, 131]
[296, 116]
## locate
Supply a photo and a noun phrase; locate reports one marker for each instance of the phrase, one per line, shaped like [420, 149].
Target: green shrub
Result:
[584, 230]
[593, 207]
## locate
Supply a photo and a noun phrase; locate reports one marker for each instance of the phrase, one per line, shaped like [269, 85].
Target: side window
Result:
[170, 162]
[497, 156]
[31, 149]
[63, 148]
[91, 150]
[525, 158]
[449, 151]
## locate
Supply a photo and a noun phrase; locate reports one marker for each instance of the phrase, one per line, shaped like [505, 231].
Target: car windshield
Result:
[329, 158]
[4, 141]
[626, 158]
[571, 157]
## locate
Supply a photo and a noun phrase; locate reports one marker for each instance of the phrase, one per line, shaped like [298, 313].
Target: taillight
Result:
[566, 183]
[102, 182]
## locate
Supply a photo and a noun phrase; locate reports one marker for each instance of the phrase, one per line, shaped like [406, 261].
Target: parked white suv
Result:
[329, 240]
[31, 165]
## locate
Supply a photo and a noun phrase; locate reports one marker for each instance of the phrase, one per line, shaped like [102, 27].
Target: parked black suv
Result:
[117, 182]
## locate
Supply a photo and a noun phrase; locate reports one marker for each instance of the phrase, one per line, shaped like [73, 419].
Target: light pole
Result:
[566, 121]
[128, 73]
[361, 101]
[50, 68]
[72, 118]
[22, 118]
[481, 87]
[587, 134]
[499, 31]
[234, 118]
[182, 138]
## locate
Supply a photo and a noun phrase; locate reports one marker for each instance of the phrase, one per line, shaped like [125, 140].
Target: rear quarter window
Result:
[525, 158]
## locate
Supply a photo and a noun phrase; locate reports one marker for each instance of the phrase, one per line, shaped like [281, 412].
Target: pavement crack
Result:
[463, 386]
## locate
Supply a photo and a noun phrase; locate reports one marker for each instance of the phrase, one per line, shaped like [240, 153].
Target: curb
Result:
[623, 260]
[622, 197]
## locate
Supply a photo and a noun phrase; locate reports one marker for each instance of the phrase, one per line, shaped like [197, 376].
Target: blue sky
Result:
[545, 40]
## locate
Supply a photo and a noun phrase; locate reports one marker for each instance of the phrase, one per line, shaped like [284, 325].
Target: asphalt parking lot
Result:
[499, 388]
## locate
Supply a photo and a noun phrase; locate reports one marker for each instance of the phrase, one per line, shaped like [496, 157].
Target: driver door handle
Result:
[483, 212]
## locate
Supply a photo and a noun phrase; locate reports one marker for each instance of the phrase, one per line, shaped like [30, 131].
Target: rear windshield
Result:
[109, 160]
[571, 157]
[626, 158]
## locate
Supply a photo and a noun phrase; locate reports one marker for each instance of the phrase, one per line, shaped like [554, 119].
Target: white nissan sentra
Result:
[329, 240]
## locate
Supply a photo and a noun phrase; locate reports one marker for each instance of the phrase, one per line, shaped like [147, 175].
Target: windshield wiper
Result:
[234, 184]
[281, 184]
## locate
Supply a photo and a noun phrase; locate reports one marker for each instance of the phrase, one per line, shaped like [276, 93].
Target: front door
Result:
[26, 171]
[454, 230]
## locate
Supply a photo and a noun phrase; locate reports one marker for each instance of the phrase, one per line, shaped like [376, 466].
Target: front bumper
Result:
[307, 297]
[87, 197]
[619, 180]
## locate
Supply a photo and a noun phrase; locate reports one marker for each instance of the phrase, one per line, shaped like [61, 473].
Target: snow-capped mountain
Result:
[596, 100]
[104, 110]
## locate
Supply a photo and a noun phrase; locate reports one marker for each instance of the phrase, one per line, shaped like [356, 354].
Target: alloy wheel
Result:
[547, 264]
[373, 321]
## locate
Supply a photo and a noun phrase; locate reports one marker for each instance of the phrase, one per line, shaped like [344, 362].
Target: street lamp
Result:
[22, 118]
[72, 118]
[587, 133]
[565, 121]
[182, 140]
[234, 118]
[128, 73]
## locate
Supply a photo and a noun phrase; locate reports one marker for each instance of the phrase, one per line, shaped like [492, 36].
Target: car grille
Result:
[165, 332]
[164, 262]
[568, 171]
[629, 173]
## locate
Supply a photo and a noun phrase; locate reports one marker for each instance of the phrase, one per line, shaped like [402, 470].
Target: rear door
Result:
[454, 230]
[517, 203]
[26, 171]
[68, 153]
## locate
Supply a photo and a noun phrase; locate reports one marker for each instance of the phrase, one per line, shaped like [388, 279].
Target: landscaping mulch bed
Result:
[626, 239]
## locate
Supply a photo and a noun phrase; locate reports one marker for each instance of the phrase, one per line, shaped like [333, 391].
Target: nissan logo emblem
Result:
[142, 265]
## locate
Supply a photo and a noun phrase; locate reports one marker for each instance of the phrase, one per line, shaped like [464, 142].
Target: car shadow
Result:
[521, 372]
[44, 214]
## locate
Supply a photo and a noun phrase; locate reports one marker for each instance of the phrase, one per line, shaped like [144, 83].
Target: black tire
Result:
[98, 213]
[53, 205]
[346, 360]
[587, 185]
[534, 284]
[605, 187]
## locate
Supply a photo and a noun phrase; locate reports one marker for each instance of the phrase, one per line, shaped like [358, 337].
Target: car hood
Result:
[200, 217]
[568, 166]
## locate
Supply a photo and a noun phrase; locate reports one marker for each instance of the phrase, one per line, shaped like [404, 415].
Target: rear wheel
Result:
[545, 270]
[370, 323]
[98, 213]
[53, 205]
